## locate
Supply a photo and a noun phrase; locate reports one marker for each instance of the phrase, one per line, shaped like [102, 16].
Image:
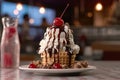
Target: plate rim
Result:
[55, 71]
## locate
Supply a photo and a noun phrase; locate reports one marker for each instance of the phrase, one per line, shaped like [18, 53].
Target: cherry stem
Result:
[64, 10]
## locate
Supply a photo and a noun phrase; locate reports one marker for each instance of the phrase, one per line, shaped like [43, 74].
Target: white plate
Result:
[55, 71]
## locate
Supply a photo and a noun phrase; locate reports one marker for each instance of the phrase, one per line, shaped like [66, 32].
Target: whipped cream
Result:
[58, 39]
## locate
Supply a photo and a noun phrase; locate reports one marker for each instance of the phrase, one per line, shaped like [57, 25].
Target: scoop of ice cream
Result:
[58, 39]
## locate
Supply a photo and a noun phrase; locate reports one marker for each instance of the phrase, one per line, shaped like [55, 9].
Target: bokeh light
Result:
[42, 10]
[19, 6]
[98, 7]
[31, 21]
[15, 12]
[89, 14]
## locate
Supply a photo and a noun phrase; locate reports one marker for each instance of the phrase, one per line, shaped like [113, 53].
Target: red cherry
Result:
[58, 22]
[57, 66]
[32, 65]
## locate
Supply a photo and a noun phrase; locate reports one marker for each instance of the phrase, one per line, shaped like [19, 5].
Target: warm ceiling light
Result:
[19, 6]
[98, 7]
[42, 10]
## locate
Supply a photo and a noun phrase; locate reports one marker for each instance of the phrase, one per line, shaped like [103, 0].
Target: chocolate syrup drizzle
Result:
[46, 48]
[54, 51]
[53, 44]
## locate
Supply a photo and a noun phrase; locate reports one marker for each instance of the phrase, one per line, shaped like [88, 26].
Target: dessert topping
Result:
[32, 65]
[57, 66]
[58, 22]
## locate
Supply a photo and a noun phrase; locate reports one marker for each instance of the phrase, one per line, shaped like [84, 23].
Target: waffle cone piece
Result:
[64, 58]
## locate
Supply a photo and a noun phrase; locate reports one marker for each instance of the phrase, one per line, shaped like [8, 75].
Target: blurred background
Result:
[95, 23]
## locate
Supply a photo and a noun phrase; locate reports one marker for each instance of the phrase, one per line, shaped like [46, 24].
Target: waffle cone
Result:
[62, 57]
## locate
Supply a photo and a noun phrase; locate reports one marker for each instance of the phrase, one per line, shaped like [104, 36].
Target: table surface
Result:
[106, 70]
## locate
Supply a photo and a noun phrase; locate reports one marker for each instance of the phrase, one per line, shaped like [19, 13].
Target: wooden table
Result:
[106, 70]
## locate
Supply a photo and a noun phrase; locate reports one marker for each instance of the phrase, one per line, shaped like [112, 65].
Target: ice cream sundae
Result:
[57, 48]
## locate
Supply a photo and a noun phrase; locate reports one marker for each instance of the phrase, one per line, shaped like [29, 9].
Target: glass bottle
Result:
[10, 46]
